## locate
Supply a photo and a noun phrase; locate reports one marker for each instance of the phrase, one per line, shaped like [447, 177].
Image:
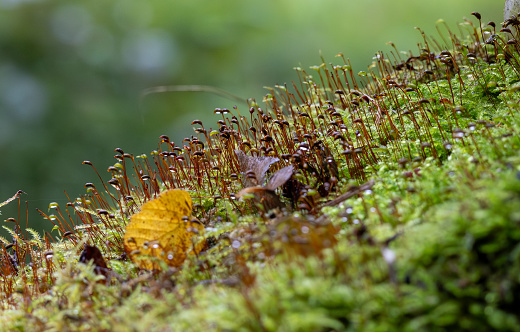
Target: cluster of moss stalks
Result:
[402, 212]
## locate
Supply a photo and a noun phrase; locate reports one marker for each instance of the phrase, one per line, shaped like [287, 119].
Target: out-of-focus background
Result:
[71, 72]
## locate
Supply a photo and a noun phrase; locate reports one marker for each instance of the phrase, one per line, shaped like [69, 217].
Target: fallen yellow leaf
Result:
[161, 231]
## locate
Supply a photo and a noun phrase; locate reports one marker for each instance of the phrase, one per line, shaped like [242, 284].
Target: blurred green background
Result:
[71, 72]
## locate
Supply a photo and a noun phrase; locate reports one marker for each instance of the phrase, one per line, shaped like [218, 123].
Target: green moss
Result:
[431, 245]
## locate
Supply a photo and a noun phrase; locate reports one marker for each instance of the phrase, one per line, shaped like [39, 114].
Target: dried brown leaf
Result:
[258, 165]
[280, 177]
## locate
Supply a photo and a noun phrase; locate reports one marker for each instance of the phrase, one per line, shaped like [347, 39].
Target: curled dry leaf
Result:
[280, 177]
[254, 168]
[265, 195]
[160, 231]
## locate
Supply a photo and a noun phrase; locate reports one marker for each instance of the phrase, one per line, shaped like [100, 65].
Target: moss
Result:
[401, 215]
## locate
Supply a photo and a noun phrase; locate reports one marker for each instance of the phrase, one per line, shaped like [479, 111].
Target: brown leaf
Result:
[280, 177]
[258, 166]
[264, 195]
[267, 197]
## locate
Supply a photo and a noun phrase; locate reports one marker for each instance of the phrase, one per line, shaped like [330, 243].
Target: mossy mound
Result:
[402, 212]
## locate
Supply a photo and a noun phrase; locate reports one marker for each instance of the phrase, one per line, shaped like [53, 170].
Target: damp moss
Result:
[401, 215]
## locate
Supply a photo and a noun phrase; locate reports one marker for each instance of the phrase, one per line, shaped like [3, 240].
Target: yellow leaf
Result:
[159, 232]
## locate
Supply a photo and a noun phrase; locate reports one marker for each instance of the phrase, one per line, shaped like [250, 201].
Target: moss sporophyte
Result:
[382, 200]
